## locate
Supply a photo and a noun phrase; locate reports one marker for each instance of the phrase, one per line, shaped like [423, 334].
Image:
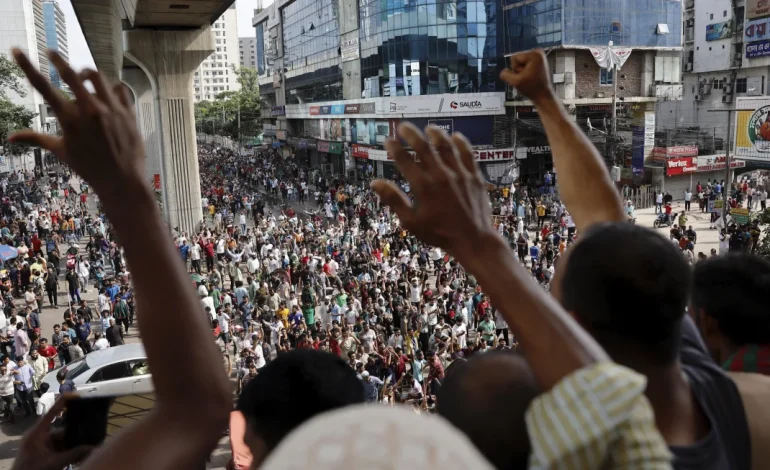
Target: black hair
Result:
[295, 387]
[628, 286]
[503, 387]
[733, 290]
[61, 375]
[44, 387]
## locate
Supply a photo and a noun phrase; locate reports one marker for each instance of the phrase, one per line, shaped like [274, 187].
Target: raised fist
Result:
[529, 74]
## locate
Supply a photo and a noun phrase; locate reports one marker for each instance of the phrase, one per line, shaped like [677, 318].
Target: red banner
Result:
[156, 181]
[359, 151]
[315, 110]
[679, 166]
[660, 154]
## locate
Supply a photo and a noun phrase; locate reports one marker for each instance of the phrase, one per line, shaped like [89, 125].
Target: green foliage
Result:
[763, 249]
[220, 116]
[12, 117]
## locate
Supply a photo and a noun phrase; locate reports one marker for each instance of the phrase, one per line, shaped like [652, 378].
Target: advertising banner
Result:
[637, 149]
[661, 154]
[278, 111]
[351, 109]
[757, 9]
[443, 104]
[315, 110]
[717, 31]
[446, 124]
[323, 146]
[349, 50]
[366, 108]
[487, 155]
[679, 166]
[360, 151]
[756, 30]
[740, 215]
[758, 49]
[752, 129]
[338, 109]
[280, 135]
[325, 110]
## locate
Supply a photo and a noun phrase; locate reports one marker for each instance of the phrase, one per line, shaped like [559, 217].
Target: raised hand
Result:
[529, 74]
[451, 207]
[101, 141]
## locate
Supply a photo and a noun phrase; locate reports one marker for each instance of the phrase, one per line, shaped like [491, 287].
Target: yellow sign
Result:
[740, 215]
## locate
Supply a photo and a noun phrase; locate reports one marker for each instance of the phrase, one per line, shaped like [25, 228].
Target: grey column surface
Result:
[140, 85]
[169, 58]
[102, 28]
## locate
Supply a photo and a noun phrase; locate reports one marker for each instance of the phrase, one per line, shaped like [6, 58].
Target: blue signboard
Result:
[717, 31]
[637, 150]
[758, 49]
[338, 109]
[325, 110]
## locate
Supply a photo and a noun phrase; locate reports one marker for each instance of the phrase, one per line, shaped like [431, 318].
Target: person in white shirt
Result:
[460, 332]
[252, 265]
[195, 257]
[100, 343]
[224, 324]
[46, 400]
[208, 304]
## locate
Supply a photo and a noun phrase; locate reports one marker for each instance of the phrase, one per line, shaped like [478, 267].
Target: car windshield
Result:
[76, 368]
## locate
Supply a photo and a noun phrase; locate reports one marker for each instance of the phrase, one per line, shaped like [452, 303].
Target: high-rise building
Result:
[55, 35]
[248, 51]
[22, 26]
[336, 77]
[216, 74]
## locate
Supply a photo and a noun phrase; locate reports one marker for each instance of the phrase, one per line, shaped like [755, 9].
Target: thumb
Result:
[36, 139]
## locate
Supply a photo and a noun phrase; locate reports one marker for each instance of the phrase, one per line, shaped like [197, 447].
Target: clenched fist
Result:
[529, 74]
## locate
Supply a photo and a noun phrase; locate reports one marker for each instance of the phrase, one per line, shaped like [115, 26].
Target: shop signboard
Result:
[757, 9]
[480, 155]
[758, 49]
[293, 141]
[752, 129]
[637, 149]
[721, 165]
[335, 147]
[661, 154]
[717, 31]
[447, 125]
[280, 135]
[756, 30]
[740, 215]
[452, 104]
[360, 151]
[325, 110]
[314, 110]
[366, 108]
[278, 111]
[680, 166]
[323, 146]
[338, 109]
[351, 109]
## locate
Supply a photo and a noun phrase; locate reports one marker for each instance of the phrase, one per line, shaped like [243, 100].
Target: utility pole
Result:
[727, 160]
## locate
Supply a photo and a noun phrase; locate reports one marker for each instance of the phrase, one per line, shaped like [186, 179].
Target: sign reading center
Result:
[490, 155]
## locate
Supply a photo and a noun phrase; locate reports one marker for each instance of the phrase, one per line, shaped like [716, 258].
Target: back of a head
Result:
[295, 387]
[628, 286]
[376, 437]
[733, 290]
[486, 398]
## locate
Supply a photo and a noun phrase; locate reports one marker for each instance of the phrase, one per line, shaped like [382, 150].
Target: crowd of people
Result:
[546, 330]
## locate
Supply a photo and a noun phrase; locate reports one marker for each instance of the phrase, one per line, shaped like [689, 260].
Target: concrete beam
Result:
[102, 28]
[169, 59]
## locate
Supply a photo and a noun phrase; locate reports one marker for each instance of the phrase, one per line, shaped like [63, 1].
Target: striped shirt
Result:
[597, 417]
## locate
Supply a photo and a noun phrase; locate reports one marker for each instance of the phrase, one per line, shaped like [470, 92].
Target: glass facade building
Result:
[55, 36]
[632, 23]
[261, 69]
[311, 54]
[419, 47]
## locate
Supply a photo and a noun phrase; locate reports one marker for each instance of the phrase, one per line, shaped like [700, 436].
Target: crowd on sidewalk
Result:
[407, 292]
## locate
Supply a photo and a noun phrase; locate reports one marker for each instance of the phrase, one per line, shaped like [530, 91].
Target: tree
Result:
[220, 116]
[12, 116]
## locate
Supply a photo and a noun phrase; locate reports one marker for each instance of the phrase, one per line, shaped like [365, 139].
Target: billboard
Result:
[758, 49]
[756, 30]
[752, 129]
[757, 9]
[717, 31]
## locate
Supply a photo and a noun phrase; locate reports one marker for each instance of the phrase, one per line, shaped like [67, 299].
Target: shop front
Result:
[685, 173]
[330, 157]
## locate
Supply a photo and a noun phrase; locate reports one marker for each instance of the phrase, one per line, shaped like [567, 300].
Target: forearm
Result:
[166, 299]
[584, 182]
[543, 328]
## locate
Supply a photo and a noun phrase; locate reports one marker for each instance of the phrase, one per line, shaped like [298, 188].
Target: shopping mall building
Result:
[337, 76]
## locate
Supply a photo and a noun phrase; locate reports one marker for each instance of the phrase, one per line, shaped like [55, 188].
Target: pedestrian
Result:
[23, 376]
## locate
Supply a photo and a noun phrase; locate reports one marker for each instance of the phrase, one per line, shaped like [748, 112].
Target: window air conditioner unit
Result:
[727, 98]
[698, 97]
[727, 90]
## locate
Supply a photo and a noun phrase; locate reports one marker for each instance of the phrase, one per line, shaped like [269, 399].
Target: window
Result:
[740, 85]
[724, 14]
[111, 372]
[605, 77]
[711, 16]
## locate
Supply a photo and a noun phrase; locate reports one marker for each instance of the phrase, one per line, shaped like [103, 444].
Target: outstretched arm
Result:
[102, 144]
[451, 193]
[584, 182]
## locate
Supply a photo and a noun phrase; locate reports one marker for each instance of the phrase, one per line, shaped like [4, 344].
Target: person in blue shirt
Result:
[534, 252]
[184, 250]
[113, 291]
[22, 378]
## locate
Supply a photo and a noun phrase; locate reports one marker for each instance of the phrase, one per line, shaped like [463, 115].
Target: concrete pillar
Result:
[648, 72]
[169, 59]
[564, 64]
[103, 29]
[144, 102]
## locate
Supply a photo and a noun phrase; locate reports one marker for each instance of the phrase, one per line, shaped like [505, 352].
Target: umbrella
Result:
[8, 252]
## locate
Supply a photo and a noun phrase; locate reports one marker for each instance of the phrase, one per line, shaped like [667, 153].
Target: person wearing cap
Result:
[371, 387]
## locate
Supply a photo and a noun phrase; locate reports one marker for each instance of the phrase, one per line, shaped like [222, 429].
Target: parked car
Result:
[119, 370]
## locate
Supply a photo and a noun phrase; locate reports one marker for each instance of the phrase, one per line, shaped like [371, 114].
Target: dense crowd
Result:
[403, 292]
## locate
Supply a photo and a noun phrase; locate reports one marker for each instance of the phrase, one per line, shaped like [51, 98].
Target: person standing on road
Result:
[114, 334]
[23, 379]
[687, 199]
[73, 284]
[7, 390]
[120, 312]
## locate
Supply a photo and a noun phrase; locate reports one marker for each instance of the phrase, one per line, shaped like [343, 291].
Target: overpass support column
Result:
[169, 59]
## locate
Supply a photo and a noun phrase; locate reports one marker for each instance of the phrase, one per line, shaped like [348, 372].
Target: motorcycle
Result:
[663, 221]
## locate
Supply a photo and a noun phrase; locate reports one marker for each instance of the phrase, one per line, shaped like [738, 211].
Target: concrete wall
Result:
[587, 76]
[712, 55]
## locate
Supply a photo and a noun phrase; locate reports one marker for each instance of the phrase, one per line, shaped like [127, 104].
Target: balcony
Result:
[672, 91]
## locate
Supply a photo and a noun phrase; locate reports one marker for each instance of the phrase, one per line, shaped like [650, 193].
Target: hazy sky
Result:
[80, 56]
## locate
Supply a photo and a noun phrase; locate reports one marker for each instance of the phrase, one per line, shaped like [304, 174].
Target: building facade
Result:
[19, 27]
[56, 35]
[216, 74]
[340, 75]
[248, 52]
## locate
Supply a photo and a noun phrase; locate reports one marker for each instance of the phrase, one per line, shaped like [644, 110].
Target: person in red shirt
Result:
[37, 245]
[334, 344]
[48, 352]
[668, 211]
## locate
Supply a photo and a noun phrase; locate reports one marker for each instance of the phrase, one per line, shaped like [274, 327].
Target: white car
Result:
[118, 370]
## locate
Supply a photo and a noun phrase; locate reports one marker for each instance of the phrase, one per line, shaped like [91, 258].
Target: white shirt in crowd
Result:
[460, 329]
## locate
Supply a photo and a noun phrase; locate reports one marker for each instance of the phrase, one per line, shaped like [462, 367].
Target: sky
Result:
[80, 56]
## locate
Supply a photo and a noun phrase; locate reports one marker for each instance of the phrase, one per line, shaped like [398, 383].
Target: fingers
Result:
[465, 153]
[404, 161]
[41, 83]
[392, 196]
[35, 139]
[412, 135]
[122, 92]
[103, 91]
[444, 148]
[71, 78]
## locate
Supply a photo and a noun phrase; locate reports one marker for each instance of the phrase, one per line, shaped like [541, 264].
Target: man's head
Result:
[289, 391]
[61, 376]
[628, 287]
[503, 386]
[729, 302]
